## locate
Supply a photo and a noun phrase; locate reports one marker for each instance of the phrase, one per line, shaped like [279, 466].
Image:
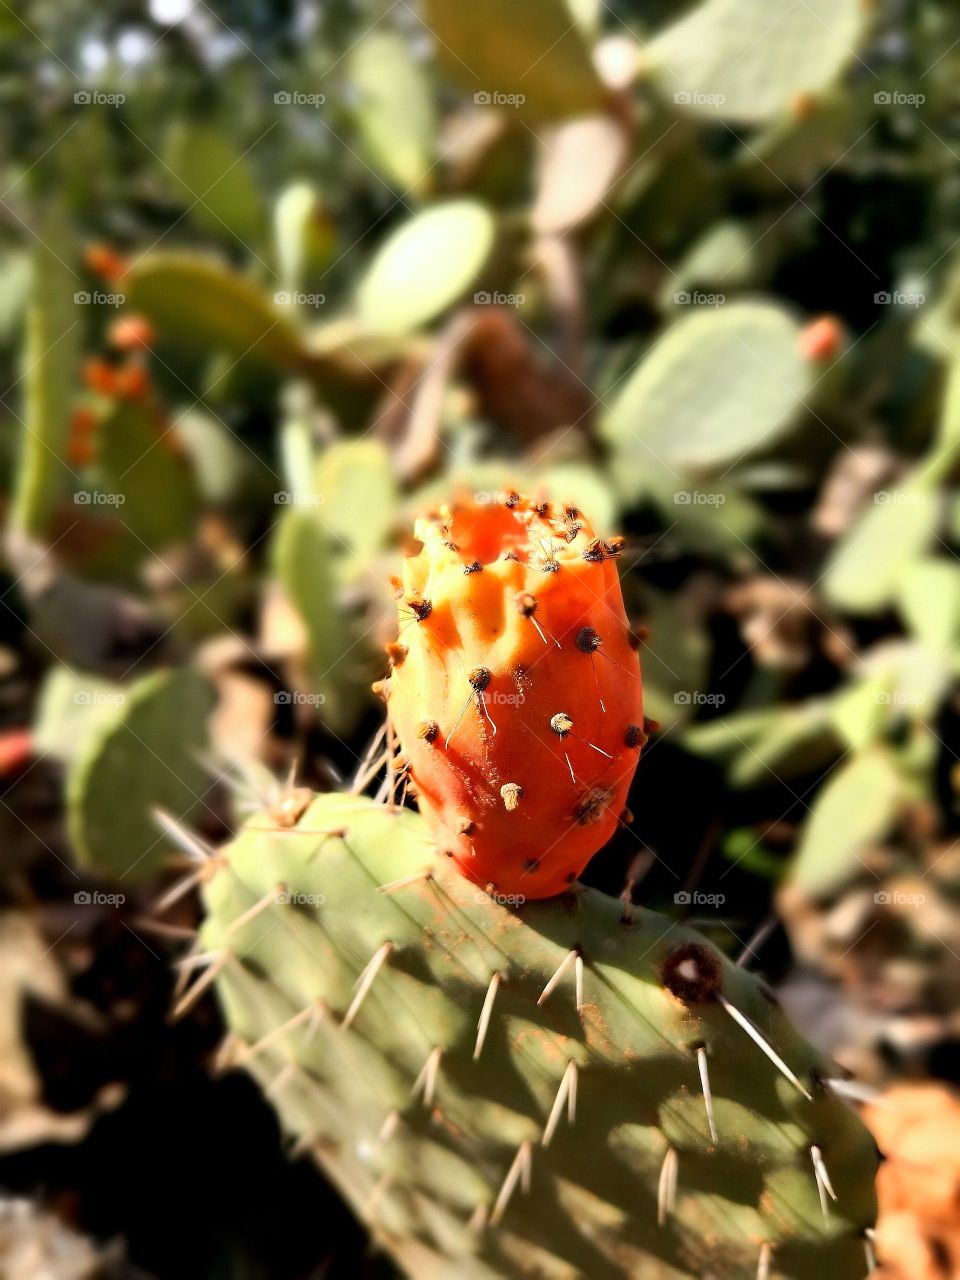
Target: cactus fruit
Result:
[558, 1090]
[515, 690]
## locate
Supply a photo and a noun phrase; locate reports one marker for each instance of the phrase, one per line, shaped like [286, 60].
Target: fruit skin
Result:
[524, 600]
[295, 918]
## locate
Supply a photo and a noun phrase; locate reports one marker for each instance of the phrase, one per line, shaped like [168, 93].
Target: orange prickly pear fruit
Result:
[515, 690]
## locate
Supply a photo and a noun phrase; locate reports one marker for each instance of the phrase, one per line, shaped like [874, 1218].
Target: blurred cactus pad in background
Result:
[310, 312]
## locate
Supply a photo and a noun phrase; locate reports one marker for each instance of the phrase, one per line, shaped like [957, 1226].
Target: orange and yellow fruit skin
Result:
[523, 600]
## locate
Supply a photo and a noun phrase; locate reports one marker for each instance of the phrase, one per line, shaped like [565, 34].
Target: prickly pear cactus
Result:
[515, 690]
[555, 1090]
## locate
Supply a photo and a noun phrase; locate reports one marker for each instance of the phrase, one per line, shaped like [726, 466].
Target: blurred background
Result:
[275, 276]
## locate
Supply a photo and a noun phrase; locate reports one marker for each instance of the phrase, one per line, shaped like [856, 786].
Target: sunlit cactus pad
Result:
[423, 1041]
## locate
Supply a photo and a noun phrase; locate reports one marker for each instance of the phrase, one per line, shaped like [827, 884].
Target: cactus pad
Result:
[558, 1090]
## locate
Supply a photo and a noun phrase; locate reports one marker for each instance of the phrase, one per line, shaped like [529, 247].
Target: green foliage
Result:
[533, 55]
[143, 758]
[50, 359]
[395, 113]
[748, 60]
[196, 301]
[340, 1031]
[424, 267]
[720, 382]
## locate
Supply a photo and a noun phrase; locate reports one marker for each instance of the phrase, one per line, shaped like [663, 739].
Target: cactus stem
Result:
[311, 1015]
[567, 1093]
[195, 848]
[303, 1144]
[426, 1081]
[389, 1126]
[405, 882]
[485, 1013]
[707, 1092]
[365, 982]
[268, 899]
[763, 1044]
[215, 961]
[763, 1262]
[667, 1186]
[571, 958]
[824, 1188]
[519, 1171]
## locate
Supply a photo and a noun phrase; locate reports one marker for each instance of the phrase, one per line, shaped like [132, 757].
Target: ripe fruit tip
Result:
[501, 605]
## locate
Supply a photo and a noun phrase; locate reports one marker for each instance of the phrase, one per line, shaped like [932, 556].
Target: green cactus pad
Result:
[750, 59]
[195, 300]
[144, 758]
[722, 381]
[359, 1011]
